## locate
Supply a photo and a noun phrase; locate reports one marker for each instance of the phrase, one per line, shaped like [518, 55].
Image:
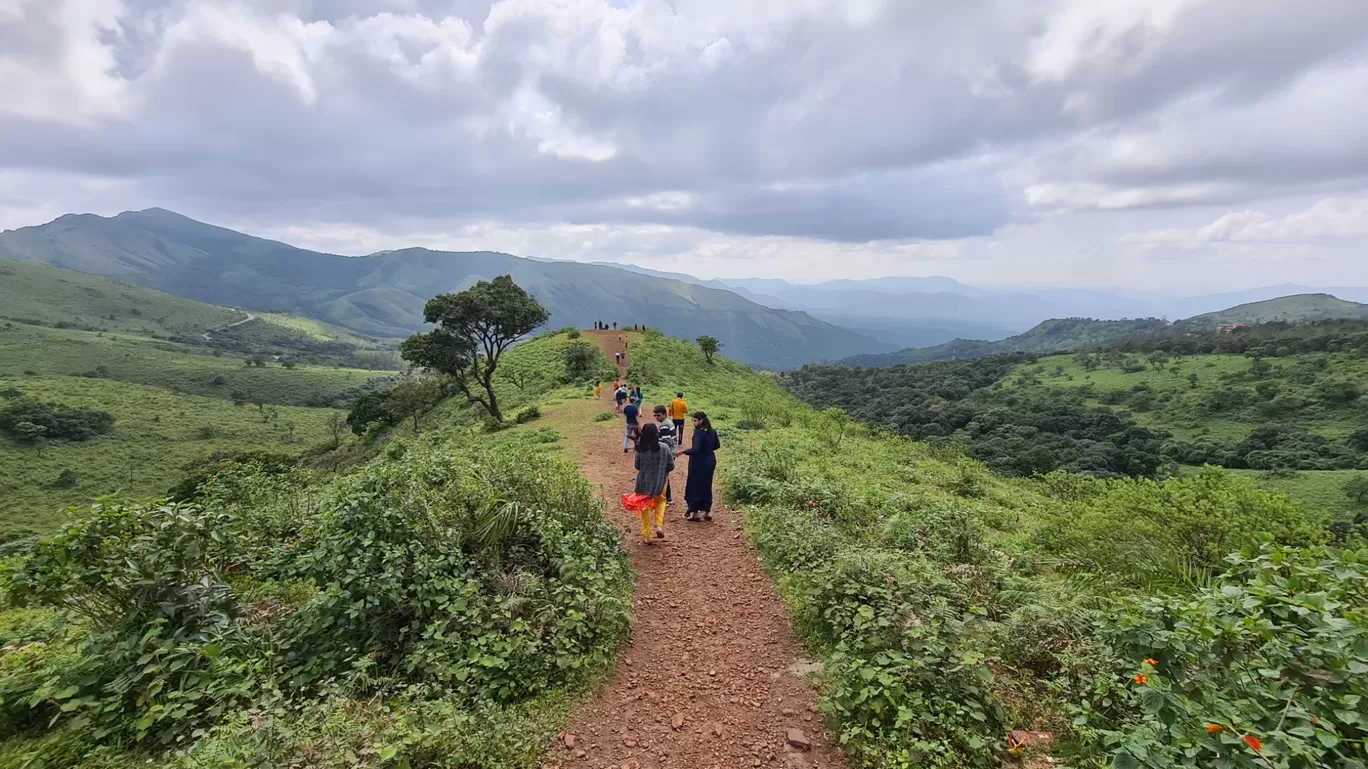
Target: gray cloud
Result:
[845, 121]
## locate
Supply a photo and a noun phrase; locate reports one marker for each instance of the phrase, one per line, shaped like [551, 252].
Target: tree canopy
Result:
[474, 329]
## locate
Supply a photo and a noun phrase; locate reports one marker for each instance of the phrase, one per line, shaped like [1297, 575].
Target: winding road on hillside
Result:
[712, 676]
[250, 317]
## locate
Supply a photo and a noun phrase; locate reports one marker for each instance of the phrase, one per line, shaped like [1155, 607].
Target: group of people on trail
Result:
[658, 443]
[623, 396]
[601, 326]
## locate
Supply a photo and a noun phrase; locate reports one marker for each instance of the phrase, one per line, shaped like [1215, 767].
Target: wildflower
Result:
[1214, 728]
[1151, 661]
[1142, 679]
[1254, 742]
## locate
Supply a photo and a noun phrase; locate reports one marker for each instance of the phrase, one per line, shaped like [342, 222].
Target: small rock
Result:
[677, 722]
[579, 754]
[797, 739]
[629, 742]
[788, 711]
[569, 742]
[717, 730]
[795, 761]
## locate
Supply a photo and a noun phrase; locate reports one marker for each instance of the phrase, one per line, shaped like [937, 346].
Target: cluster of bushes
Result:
[1274, 448]
[451, 586]
[950, 607]
[28, 419]
[1265, 340]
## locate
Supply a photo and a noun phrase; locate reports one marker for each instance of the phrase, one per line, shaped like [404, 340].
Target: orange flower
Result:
[1151, 661]
[1253, 742]
[1142, 679]
[1214, 728]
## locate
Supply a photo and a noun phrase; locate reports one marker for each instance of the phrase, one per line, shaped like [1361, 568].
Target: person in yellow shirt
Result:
[678, 410]
[598, 389]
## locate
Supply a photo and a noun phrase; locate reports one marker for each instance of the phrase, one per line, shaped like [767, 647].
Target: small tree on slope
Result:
[709, 345]
[474, 329]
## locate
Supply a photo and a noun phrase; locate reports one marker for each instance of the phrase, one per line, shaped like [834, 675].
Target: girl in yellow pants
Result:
[655, 528]
[653, 463]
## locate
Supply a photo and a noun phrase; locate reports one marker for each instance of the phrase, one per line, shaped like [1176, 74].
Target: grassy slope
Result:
[1300, 308]
[155, 433]
[180, 368]
[36, 291]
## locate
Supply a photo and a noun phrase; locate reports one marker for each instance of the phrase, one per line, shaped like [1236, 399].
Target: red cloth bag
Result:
[636, 503]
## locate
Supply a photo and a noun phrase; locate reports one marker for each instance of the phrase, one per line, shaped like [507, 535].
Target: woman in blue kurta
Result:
[702, 456]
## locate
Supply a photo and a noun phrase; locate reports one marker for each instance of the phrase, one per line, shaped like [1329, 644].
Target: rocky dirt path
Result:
[712, 676]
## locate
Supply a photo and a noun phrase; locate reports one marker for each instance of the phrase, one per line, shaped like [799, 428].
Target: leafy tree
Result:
[709, 345]
[368, 409]
[411, 398]
[582, 360]
[1356, 488]
[336, 424]
[475, 328]
[29, 432]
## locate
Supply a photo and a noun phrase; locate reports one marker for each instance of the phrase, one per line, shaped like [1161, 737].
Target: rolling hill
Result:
[382, 295]
[1299, 308]
[1062, 335]
[1051, 336]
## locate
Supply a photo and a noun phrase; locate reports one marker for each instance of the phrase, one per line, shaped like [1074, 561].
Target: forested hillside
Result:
[382, 295]
[1055, 336]
[1049, 336]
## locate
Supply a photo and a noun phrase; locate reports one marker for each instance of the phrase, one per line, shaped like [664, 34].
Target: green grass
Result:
[155, 433]
[320, 331]
[1178, 408]
[38, 292]
[1318, 490]
[179, 368]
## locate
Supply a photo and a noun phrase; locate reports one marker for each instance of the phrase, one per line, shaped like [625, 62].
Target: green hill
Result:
[382, 295]
[36, 292]
[1051, 336]
[1299, 308]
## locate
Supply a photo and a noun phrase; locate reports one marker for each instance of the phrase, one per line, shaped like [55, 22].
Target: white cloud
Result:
[1331, 219]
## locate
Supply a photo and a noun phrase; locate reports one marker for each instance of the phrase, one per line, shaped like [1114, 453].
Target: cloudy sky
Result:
[1153, 144]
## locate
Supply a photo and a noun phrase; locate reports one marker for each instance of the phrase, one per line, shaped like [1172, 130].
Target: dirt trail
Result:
[712, 675]
[612, 342]
[250, 317]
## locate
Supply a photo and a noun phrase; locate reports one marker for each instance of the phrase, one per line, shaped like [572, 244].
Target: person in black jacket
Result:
[698, 495]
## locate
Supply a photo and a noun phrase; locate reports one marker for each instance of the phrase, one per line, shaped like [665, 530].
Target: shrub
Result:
[527, 414]
[606, 416]
[58, 422]
[1275, 652]
[475, 578]
[64, 480]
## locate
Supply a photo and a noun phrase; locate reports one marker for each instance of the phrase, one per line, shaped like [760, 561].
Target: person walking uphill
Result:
[630, 412]
[653, 465]
[698, 495]
[678, 410]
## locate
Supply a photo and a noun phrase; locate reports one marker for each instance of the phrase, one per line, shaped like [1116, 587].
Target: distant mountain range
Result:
[1066, 334]
[382, 295]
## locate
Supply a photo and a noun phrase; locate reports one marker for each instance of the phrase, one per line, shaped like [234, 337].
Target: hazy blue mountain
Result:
[1051, 336]
[382, 295]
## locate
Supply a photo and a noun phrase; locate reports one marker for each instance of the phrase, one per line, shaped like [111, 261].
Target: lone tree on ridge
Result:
[474, 329]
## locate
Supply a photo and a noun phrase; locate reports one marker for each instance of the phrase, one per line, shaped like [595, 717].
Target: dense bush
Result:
[57, 421]
[1269, 668]
[473, 578]
[1160, 532]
